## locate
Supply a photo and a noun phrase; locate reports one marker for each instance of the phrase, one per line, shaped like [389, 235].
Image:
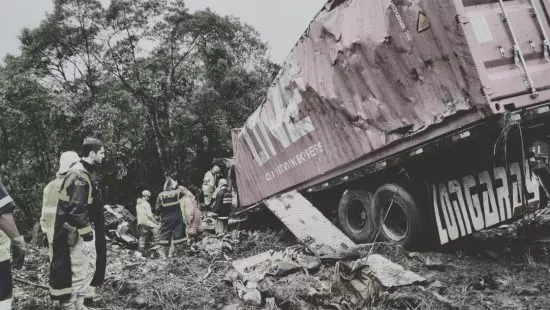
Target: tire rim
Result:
[396, 226]
[357, 215]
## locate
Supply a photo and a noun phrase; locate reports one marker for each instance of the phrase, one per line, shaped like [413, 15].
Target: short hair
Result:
[91, 145]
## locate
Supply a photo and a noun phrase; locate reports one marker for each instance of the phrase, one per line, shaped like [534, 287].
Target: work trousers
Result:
[6, 285]
[147, 236]
[83, 263]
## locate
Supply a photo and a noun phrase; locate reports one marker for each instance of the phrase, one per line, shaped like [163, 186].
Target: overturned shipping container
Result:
[372, 78]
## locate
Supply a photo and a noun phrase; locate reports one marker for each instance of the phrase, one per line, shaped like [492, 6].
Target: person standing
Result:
[172, 225]
[51, 197]
[209, 184]
[222, 207]
[191, 215]
[9, 236]
[147, 225]
[98, 219]
[74, 250]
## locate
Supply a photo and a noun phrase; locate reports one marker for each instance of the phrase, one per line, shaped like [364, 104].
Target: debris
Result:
[310, 226]
[368, 277]
[528, 291]
[432, 262]
[30, 283]
[278, 263]
[250, 296]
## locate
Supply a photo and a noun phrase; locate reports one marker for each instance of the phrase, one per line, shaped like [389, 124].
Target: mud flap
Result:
[310, 226]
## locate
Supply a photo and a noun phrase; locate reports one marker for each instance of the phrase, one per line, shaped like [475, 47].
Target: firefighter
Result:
[74, 249]
[147, 225]
[51, 196]
[209, 184]
[9, 236]
[172, 225]
[222, 207]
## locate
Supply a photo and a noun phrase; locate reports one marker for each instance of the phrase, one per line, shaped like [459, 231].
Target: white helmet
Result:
[66, 160]
[146, 193]
[222, 182]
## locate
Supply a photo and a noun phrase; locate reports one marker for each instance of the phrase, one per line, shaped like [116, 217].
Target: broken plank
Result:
[310, 226]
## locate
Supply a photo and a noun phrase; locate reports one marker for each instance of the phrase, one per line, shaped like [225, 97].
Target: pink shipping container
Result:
[372, 78]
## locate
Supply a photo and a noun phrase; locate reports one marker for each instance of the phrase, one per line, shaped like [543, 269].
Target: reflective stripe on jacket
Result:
[49, 206]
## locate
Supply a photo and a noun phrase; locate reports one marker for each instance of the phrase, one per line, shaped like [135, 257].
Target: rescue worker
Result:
[209, 184]
[147, 225]
[9, 236]
[222, 207]
[51, 196]
[191, 215]
[74, 249]
[172, 225]
[98, 219]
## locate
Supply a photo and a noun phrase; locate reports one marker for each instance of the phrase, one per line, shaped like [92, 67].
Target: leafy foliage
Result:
[160, 85]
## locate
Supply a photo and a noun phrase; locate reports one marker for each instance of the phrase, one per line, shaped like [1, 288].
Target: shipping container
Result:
[381, 85]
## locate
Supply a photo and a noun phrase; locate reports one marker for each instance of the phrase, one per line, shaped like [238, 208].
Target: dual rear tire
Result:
[391, 215]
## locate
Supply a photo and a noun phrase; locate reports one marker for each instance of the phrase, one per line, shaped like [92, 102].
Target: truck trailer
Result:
[412, 119]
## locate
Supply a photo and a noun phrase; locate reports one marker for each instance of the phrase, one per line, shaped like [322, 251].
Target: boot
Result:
[161, 251]
[90, 296]
[171, 250]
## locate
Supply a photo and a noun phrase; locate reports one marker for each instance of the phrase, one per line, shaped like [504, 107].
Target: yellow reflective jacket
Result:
[144, 214]
[49, 206]
[208, 184]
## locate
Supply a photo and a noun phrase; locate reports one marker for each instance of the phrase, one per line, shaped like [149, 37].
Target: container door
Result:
[511, 48]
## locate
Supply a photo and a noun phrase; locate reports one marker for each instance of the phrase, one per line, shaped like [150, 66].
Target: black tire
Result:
[355, 215]
[403, 223]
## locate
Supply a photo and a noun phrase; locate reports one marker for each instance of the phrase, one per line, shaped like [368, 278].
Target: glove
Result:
[72, 234]
[18, 252]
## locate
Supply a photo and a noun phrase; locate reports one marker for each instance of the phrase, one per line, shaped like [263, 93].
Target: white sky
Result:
[280, 22]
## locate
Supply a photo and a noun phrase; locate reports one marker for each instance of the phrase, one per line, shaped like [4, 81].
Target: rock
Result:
[528, 291]
[139, 302]
[251, 285]
[253, 297]
[231, 276]
[437, 284]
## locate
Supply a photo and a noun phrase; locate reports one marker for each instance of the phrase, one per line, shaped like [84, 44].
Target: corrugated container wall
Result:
[366, 76]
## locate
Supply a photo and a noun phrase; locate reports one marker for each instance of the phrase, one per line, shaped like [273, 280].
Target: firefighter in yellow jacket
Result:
[9, 236]
[51, 197]
[74, 250]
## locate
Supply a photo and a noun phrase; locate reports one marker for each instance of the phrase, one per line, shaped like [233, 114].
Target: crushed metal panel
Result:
[310, 226]
[359, 80]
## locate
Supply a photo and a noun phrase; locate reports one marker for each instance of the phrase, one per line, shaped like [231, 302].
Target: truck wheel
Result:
[355, 215]
[403, 223]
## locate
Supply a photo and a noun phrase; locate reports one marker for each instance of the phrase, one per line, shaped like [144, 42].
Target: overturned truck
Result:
[420, 119]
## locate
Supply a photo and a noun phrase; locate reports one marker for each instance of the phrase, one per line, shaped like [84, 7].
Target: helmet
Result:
[222, 182]
[146, 193]
[66, 160]
[215, 169]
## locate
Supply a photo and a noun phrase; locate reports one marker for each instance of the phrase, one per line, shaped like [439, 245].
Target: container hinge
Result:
[519, 60]
[546, 42]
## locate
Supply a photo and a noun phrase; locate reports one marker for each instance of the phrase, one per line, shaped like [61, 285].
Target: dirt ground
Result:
[503, 268]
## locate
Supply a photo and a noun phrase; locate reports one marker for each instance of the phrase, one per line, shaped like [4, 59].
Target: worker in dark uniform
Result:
[98, 218]
[9, 236]
[172, 226]
[73, 263]
[222, 207]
